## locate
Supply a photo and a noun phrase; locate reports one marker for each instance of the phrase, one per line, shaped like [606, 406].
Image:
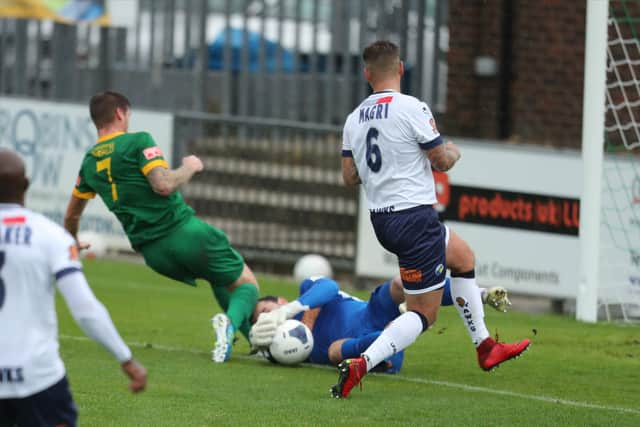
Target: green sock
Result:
[242, 302]
[222, 296]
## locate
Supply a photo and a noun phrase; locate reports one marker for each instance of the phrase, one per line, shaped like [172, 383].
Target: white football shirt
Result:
[386, 135]
[33, 252]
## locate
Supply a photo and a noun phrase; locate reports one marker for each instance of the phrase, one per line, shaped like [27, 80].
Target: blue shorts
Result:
[51, 407]
[380, 311]
[418, 238]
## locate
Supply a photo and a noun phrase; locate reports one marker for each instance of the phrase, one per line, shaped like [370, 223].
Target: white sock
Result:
[468, 302]
[400, 334]
[483, 294]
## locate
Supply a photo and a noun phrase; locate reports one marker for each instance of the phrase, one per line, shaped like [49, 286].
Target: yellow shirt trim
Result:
[147, 168]
[80, 195]
[110, 136]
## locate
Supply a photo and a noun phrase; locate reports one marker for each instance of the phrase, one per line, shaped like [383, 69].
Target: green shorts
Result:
[195, 250]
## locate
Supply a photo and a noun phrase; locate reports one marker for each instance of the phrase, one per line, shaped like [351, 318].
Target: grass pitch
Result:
[574, 374]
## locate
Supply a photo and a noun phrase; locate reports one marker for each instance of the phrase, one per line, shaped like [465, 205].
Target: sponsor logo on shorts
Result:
[439, 269]
[410, 275]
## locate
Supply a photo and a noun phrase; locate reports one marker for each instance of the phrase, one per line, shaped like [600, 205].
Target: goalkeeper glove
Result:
[263, 331]
[497, 298]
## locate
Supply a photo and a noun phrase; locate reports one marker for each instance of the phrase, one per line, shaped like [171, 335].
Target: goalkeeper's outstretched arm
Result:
[165, 181]
[315, 293]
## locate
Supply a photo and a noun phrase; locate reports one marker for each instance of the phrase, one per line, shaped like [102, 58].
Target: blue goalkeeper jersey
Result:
[333, 315]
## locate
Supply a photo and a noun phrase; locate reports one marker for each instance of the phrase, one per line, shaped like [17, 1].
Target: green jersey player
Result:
[129, 173]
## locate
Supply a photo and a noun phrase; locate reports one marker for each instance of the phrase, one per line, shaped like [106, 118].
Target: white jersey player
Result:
[390, 144]
[35, 256]
[386, 136]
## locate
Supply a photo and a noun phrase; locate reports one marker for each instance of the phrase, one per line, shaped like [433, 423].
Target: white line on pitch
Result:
[465, 387]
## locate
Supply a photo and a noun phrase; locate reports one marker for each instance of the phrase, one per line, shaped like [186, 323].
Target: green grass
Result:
[574, 374]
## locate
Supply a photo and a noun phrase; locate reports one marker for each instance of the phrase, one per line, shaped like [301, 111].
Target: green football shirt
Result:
[116, 168]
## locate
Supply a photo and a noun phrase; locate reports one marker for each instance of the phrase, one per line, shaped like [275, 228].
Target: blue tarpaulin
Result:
[272, 52]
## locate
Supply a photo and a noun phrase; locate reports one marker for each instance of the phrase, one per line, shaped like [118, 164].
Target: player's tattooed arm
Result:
[350, 172]
[444, 156]
[165, 181]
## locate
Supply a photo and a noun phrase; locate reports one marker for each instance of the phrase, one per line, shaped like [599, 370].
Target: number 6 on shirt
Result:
[374, 157]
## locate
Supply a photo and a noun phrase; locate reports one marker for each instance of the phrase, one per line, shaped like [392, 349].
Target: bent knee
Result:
[397, 291]
[430, 315]
[428, 309]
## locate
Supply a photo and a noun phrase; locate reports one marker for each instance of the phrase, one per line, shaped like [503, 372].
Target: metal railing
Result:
[274, 186]
[261, 88]
[287, 59]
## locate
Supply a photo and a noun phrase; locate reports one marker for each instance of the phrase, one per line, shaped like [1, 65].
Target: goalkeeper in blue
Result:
[343, 326]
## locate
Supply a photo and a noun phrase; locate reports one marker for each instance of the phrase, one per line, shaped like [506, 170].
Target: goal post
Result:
[610, 203]
[593, 113]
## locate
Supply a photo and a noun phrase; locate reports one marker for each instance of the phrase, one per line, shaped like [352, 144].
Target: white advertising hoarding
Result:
[517, 207]
[52, 138]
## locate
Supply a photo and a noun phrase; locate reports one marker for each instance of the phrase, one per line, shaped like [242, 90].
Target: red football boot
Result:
[492, 353]
[351, 372]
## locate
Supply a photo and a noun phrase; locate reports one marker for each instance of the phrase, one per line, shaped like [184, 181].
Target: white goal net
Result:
[619, 293]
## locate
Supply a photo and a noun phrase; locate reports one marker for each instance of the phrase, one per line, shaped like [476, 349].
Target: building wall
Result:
[544, 95]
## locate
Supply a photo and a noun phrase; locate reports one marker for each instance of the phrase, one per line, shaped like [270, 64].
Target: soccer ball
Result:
[311, 265]
[292, 343]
